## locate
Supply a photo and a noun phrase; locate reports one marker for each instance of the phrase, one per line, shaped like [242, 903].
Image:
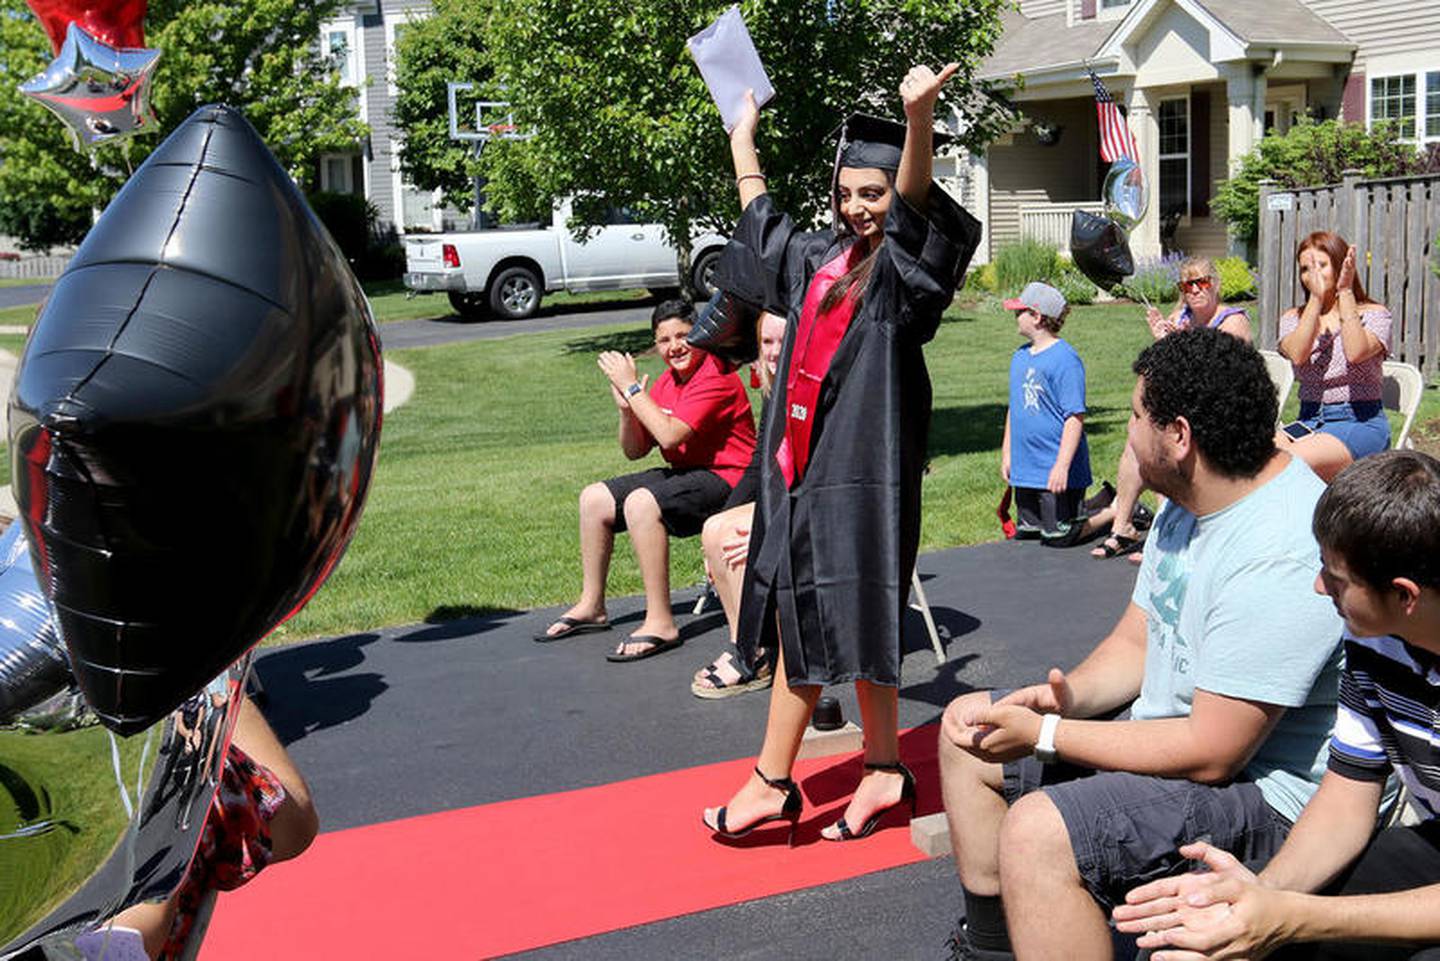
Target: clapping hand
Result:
[1345, 280]
[921, 88]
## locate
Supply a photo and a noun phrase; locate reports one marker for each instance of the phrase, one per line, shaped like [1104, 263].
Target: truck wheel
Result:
[515, 293]
[702, 273]
[469, 306]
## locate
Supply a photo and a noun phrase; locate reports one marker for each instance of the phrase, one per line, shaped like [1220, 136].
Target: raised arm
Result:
[748, 178]
[919, 90]
[1359, 343]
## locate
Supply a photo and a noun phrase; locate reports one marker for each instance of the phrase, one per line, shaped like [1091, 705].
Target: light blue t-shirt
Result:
[1231, 609]
[1045, 389]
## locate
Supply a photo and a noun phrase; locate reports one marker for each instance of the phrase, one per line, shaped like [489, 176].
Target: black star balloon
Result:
[194, 422]
[100, 92]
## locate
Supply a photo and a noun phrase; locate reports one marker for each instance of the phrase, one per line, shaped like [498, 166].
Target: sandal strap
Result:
[778, 783]
[894, 767]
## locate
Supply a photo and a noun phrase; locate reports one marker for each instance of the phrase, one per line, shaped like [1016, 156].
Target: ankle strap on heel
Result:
[894, 767]
[778, 783]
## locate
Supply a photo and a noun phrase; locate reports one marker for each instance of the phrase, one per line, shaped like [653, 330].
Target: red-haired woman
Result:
[1338, 342]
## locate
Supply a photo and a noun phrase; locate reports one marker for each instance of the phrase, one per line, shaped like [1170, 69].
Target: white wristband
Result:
[1045, 743]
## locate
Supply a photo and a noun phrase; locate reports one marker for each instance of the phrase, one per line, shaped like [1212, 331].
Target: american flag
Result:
[1116, 140]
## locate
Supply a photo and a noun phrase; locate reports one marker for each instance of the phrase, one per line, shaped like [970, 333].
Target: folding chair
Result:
[923, 606]
[1282, 375]
[1401, 393]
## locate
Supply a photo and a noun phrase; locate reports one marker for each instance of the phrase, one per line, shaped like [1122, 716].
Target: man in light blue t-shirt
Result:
[1227, 657]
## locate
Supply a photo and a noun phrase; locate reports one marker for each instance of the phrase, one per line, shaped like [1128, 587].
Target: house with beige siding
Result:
[1201, 81]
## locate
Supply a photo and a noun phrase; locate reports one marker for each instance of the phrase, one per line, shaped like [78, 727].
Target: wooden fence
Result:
[1393, 224]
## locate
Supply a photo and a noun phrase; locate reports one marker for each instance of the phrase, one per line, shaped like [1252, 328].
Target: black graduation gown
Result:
[833, 557]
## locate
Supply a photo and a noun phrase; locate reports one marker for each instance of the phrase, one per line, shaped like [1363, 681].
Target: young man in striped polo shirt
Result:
[1378, 526]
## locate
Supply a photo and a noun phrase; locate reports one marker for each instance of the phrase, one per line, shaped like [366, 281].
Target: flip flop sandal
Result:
[658, 645]
[748, 680]
[573, 626]
[1118, 545]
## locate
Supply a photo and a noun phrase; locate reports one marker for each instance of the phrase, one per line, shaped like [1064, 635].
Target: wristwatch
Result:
[1045, 743]
[632, 390]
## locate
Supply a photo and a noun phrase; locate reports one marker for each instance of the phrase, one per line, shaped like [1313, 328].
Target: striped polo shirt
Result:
[1389, 717]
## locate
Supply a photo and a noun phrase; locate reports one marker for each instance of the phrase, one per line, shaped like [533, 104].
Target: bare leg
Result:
[597, 544]
[1128, 488]
[1053, 915]
[790, 710]
[879, 713]
[974, 809]
[295, 823]
[727, 581]
[1326, 454]
[651, 543]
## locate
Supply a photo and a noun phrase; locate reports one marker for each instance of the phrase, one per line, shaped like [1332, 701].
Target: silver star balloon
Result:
[100, 92]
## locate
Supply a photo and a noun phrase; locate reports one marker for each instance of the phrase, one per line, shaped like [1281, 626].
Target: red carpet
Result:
[505, 877]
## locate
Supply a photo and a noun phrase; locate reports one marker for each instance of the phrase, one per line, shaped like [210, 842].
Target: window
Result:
[1432, 104]
[1393, 98]
[1112, 4]
[417, 207]
[337, 173]
[1175, 156]
[337, 44]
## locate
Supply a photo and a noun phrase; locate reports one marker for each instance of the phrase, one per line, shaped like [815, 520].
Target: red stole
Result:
[817, 338]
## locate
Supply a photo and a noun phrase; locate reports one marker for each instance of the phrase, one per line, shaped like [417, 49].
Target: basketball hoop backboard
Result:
[480, 120]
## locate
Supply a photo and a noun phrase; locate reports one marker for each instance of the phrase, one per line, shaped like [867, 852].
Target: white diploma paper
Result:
[728, 62]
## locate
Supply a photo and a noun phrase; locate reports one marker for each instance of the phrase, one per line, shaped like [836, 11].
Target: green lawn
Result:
[473, 503]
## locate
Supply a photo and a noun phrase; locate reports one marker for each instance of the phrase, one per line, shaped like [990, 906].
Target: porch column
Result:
[980, 172]
[1245, 104]
[1145, 236]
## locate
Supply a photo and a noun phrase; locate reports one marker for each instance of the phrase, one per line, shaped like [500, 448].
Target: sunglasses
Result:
[1195, 285]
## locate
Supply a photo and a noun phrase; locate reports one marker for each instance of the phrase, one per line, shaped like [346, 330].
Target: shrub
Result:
[1018, 264]
[982, 279]
[1153, 282]
[1310, 154]
[1076, 287]
[1237, 281]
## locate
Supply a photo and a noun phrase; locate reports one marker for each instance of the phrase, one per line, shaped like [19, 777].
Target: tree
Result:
[259, 56]
[622, 117]
[1308, 155]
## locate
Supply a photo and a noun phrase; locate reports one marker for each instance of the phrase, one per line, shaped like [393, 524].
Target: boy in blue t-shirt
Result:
[1044, 455]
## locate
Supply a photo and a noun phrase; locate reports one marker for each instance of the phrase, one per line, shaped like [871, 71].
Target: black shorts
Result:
[1397, 859]
[1057, 519]
[686, 495]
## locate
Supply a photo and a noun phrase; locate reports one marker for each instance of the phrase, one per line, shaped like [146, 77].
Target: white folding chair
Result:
[1401, 393]
[1282, 375]
[923, 606]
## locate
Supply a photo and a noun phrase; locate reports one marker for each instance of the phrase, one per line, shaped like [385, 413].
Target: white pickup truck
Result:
[508, 270]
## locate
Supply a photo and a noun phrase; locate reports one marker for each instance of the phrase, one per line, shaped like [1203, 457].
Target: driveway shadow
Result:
[309, 687]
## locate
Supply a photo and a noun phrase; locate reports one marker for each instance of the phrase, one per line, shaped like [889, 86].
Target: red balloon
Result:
[120, 23]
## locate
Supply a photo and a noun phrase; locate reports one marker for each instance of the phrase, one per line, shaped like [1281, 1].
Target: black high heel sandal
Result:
[907, 792]
[789, 811]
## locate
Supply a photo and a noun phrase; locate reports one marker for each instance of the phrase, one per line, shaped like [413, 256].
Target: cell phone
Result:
[1297, 429]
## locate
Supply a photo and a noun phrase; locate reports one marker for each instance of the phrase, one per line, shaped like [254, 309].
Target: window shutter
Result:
[1200, 185]
[1087, 9]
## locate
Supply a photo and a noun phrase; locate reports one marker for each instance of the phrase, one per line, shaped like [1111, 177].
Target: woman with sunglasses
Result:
[1199, 306]
[1338, 342]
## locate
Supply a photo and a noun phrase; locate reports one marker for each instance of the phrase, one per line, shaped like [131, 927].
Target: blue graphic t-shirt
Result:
[1045, 389]
[1231, 608]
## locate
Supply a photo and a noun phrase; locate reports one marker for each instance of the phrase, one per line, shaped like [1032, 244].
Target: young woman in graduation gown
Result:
[837, 524]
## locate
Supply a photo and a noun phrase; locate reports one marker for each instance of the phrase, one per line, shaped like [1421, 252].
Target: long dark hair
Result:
[857, 278]
[1333, 246]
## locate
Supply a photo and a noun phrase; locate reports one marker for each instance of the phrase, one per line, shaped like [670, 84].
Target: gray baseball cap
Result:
[1041, 298]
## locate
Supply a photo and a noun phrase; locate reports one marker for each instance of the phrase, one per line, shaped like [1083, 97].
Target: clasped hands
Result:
[1007, 729]
[620, 370]
[1224, 914]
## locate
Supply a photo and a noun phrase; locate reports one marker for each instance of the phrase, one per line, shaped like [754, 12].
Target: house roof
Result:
[1034, 45]
[1274, 21]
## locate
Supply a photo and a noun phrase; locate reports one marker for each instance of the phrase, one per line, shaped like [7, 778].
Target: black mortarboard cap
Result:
[867, 141]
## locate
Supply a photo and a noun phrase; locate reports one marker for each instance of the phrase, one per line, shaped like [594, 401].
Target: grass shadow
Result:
[967, 430]
[626, 341]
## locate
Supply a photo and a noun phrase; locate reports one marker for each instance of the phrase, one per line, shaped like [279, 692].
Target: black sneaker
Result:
[959, 948]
